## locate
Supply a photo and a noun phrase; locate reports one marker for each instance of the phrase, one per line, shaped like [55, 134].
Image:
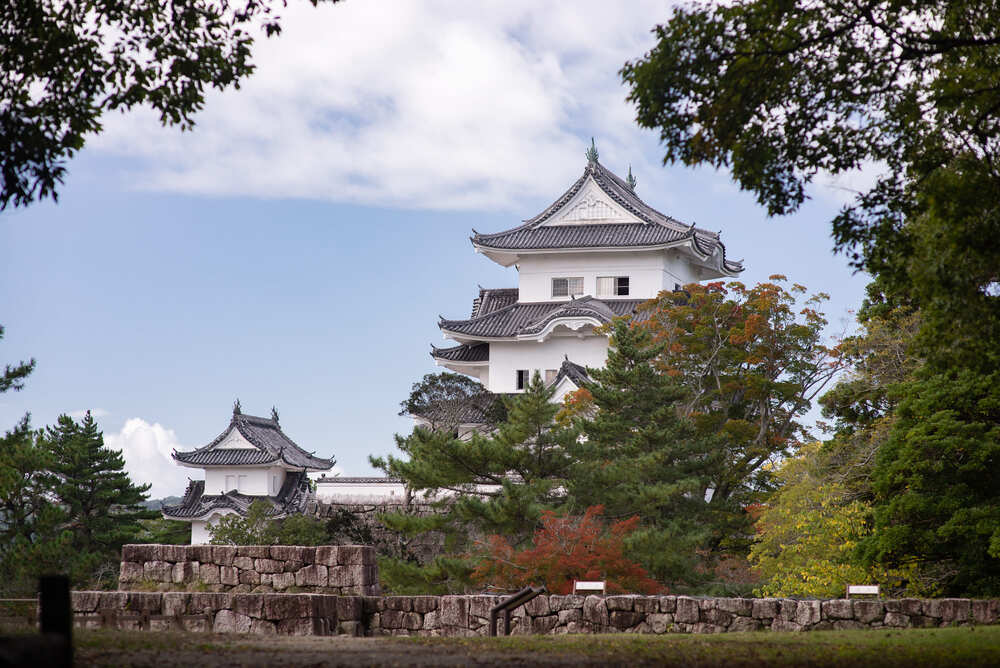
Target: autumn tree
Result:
[564, 549]
[63, 65]
[751, 362]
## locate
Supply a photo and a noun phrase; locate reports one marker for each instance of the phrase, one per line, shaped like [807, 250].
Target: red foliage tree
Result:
[567, 549]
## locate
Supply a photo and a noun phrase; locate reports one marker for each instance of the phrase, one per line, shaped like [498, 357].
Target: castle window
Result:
[567, 287]
[522, 379]
[612, 286]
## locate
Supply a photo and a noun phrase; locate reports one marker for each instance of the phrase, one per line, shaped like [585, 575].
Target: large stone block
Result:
[838, 608]
[85, 601]
[787, 608]
[557, 602]
[431, 620]
[688, 610]
[184, 571]
[906, 606]
[253, 551]
[764, 608]
[131, 571]
[392, 619]
[350, 608]
[209, 574]
[538, 606]
[157, 571]
[282, 581]
[808, 613]
[595, 612]
[227, 621]
[867, 612]
[356, 555]
[251, 605]
[404, 603]
[201, 602]
[201, 553]
[413, 620]
[285, 552]
[229, 575]
[454, 611]
[986, 612]
[174, 553]
[668, 603]
[311, 576]
[620, 603]
[780, 624]
[949, 609]
[223, 555]
[288, 606]
[659, 622]
[243, 563]
[175, 603]
[646, 604]
[308, 626]
[328, 555]
[262, 627]
[716, 617]
[546, 623]
[744, 624]
[140, 553]
[249, 577]
[736, 606]
[623, 619]
[113, 600]
[348, 576]
[145, 601]
[424, 604]
[268, 566]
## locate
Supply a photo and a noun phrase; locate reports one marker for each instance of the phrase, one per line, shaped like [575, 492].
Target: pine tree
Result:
[102, 505]
[524, 462]
[639, 457]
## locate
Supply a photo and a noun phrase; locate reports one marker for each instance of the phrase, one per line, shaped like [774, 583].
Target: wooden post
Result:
[56, 614]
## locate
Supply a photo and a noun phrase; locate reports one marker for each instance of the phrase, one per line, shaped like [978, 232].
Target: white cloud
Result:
[420, 103]
[146, 448]
[94, 412]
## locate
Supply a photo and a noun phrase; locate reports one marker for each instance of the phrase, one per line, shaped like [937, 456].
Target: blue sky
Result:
[296, 249]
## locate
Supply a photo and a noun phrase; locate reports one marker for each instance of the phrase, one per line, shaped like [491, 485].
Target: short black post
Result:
[56, 613]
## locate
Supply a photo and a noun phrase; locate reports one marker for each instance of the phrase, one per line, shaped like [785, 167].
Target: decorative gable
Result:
[590, 206]
[234, 440]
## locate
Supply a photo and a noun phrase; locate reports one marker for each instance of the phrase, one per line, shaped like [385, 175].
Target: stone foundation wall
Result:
[328, 569]
[318, 614]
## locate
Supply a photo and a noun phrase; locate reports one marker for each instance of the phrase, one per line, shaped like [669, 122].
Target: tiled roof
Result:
[360, 479]
[578, 374]
[467, 352]
[656, 229]
[271, 443]
[531, 317]
[493, 299]
[290, 499]
[226, 457]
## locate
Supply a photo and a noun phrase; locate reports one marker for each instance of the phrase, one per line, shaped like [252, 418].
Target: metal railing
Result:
[505, 608]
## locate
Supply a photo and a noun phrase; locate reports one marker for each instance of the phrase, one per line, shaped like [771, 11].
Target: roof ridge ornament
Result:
[237, 410]
[274, 414]
[592, 154]
[630, 180]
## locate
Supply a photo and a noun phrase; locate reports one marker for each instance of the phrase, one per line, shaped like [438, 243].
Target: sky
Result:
[296, 248]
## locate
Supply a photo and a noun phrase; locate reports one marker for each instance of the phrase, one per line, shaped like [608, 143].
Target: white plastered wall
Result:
[649, 272]
[506, 357]
[251, 481]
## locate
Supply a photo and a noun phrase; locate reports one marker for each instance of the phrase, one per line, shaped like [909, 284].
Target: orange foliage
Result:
[567, 549]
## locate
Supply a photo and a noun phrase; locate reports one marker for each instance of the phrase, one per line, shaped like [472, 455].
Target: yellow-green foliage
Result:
[807, 534]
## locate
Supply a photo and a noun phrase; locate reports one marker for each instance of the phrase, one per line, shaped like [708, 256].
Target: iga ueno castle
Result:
[595, 253]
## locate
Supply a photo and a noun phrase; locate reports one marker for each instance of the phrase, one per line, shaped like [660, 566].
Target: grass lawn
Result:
[967, 647]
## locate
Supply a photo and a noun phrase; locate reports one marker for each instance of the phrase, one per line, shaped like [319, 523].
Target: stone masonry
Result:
[328, 569]
[468, 615]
